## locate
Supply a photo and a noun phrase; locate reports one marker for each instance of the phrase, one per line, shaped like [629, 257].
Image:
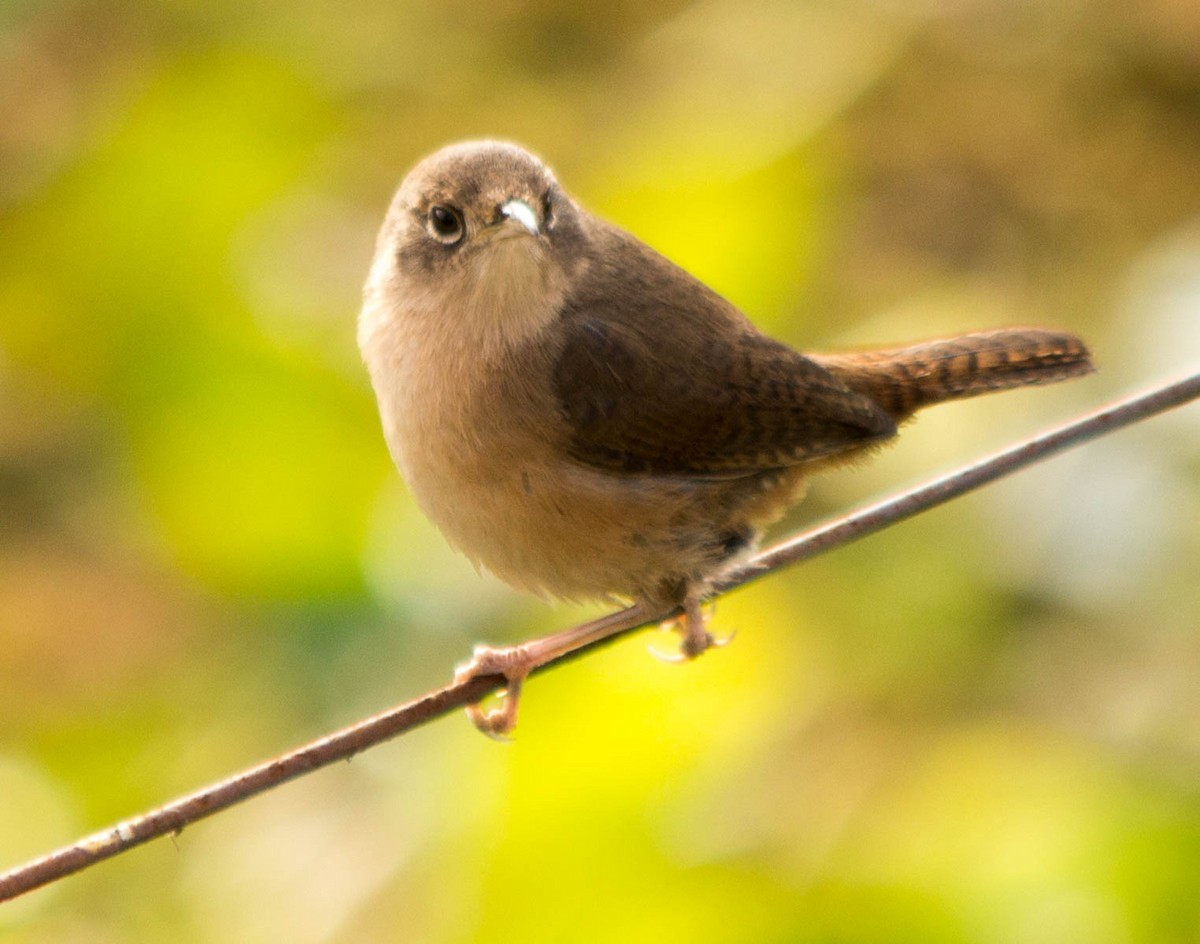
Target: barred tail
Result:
[903, 380]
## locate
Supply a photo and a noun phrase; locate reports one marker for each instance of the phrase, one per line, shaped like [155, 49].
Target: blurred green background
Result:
[982, 725]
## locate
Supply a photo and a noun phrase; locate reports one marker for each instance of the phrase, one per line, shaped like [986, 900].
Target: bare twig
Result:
[341, 745]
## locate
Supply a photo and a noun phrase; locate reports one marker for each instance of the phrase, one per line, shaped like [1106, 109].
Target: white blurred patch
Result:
[1098, 524]
[412, 570]
[300, 264]
[1158, 323]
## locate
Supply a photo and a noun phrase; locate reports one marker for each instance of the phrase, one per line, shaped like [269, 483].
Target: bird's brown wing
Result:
[702, 394]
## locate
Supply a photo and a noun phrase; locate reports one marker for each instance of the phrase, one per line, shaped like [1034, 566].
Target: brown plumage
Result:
[585, 419]
[904, 380]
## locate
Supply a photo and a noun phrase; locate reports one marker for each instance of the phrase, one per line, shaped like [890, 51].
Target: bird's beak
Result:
[521, 212]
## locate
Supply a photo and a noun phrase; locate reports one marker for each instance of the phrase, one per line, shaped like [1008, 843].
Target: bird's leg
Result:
[693, 627]
[516, 662]
[511, 662]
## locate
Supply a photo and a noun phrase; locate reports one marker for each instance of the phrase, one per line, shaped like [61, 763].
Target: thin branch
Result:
[344, 744]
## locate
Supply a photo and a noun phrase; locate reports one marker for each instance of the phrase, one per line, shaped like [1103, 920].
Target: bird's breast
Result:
[483, 446]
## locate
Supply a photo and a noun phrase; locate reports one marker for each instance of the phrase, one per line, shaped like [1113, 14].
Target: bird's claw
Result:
[514, 664]
[696, 638]
[673, 655]
[496, 723]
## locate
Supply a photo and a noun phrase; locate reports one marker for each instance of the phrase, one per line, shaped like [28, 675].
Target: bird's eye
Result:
[446, 224]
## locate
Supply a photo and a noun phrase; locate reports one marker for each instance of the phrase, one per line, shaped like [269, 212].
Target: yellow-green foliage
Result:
[979, 726]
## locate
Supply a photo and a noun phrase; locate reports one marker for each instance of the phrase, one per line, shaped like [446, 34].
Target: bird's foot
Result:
[514, 663]
[692, 626]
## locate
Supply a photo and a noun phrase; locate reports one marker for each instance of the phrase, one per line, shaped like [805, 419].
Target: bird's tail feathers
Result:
[903, 380]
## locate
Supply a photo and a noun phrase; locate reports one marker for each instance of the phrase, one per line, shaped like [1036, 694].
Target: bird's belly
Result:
[555, 528]
[490, 469]
[552, 530]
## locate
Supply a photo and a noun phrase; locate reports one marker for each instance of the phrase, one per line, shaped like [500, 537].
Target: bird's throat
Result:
[511, 292]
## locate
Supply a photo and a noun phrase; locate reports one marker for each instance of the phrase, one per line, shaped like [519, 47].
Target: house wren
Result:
[586, 420]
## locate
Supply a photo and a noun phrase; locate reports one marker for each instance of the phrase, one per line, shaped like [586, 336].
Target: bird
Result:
[586, 420]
